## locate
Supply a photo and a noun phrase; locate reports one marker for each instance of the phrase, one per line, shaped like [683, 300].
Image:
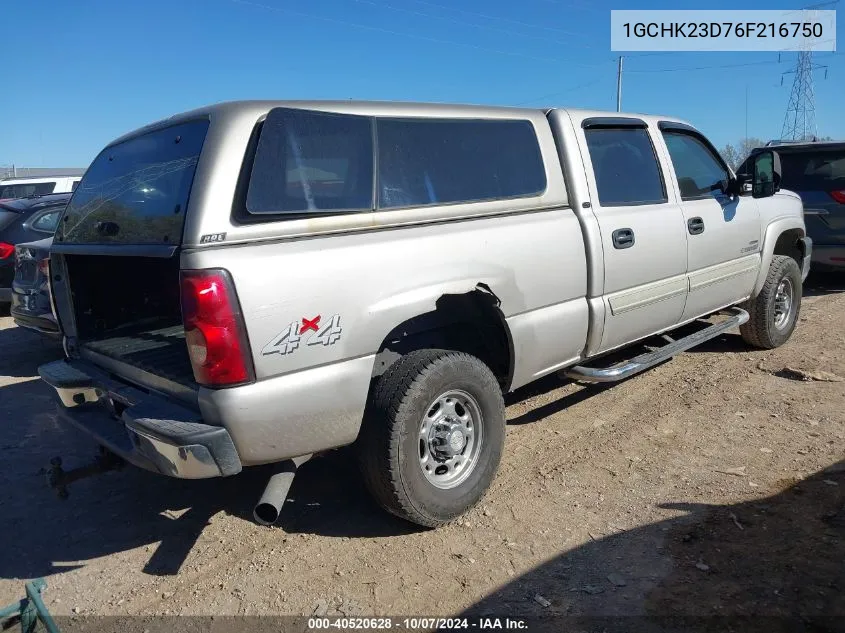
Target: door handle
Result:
[623, 238]
[695, 226]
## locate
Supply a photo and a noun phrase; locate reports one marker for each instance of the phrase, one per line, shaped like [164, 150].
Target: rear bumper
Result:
[7, 275]
[146, 430]
[31, 307]
[268, 421]
[41, 324]
[827, 257]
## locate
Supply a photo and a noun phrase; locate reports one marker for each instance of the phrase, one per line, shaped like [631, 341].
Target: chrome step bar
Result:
[627, 368]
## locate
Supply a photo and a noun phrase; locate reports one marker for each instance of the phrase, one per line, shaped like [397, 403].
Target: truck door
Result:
[723, 232]
[643, 234]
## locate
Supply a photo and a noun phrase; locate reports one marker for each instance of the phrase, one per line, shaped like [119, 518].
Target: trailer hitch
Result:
[59, 479]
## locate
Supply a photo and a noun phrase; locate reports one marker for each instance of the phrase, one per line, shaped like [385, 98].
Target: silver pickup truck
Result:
[257, 282]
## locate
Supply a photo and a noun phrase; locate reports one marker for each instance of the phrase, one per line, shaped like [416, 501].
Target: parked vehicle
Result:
[12, 188]
[256, 282]
[816, 171]
[32, 306]
[24, 220]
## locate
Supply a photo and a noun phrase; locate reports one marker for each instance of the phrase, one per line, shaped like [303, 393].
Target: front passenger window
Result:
[700, 173]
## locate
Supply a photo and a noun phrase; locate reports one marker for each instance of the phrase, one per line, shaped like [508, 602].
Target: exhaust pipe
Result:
[268, 508]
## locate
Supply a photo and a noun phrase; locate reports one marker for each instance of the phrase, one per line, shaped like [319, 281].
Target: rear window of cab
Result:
[308, 162]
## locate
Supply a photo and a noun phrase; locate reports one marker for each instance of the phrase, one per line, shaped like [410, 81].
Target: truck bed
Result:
[161, 352]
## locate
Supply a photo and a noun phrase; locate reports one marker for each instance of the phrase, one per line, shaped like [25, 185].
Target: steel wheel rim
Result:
[784, 303]
[449, 439]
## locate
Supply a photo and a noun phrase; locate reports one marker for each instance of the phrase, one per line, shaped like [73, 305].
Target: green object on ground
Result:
[30, 609]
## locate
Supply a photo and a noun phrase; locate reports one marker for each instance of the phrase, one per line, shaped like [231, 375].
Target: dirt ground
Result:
[710, 485]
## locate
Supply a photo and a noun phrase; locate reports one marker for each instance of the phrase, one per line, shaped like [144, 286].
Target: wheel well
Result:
[789, 243]
[471, 322]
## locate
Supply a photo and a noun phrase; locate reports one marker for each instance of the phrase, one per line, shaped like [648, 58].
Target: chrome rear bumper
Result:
[144, 429]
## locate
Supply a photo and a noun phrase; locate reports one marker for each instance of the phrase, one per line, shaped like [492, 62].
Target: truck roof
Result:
[782, 145]
[257, 109]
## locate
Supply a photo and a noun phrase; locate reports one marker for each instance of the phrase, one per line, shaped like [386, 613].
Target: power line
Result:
[690, 68]
[379, 29]
[502, 19]
[577, 7]
[629, 55]
[460, 22]
[814, 7]
[561, 92]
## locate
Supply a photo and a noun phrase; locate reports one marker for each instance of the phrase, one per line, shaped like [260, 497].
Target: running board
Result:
[627, 368]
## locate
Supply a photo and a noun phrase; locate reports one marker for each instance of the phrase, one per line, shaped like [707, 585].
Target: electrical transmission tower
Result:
[800, 120]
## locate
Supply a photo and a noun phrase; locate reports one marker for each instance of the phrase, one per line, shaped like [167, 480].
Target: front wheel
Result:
[774, 312]
[433, 436]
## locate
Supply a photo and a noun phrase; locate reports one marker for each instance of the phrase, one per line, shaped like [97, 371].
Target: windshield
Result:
[136, 192]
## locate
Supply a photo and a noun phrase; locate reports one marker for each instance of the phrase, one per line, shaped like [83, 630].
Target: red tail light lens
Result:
[214, 329]
[6, 250]
[839, 196]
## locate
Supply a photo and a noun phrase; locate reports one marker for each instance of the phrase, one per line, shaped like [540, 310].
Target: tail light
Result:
[839, 196]
[214, 329]
[6, 250]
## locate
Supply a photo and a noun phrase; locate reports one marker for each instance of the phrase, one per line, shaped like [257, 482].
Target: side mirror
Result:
[766, 177]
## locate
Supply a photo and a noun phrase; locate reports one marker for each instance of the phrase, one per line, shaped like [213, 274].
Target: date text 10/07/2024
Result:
[417, 624]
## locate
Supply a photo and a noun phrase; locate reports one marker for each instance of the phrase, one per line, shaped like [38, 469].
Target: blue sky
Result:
[85, 72]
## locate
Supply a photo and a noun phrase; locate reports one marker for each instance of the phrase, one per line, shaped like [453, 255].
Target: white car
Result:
[40, 186]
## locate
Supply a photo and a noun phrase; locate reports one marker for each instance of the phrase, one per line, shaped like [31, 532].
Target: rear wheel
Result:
[433, 436]
[774, 312]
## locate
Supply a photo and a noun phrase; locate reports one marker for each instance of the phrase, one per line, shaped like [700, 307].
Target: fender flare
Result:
[770, 239]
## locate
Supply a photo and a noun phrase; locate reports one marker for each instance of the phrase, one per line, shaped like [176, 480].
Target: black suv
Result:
[816, 171]
[25, 220]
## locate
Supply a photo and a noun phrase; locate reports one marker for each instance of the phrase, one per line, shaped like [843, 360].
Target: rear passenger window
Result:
[625, 166]
[441, 161]
[47, 221]
[24, 190]
[312, 162]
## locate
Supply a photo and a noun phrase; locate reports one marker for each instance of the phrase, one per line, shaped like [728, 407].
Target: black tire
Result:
[762, 329]
[389, 446]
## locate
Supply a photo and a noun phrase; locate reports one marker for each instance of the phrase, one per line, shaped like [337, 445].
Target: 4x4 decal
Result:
[307, 332]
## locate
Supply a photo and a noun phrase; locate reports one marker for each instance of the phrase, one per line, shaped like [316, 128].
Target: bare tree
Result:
[735, 154]
[731, 156]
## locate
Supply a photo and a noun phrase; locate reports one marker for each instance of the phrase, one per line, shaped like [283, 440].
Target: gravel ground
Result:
[712, 484]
